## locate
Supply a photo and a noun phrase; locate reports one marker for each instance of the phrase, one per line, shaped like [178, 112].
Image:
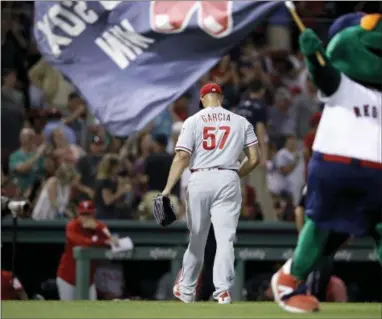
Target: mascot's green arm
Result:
[327, 78]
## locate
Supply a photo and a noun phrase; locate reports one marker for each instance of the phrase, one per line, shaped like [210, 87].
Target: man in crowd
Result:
[54, 121]
[75, 119]
[27, 164]
[157, 167]
[254, 109]
[87, 168]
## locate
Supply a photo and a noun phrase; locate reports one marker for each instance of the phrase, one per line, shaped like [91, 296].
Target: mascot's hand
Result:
[310, 43]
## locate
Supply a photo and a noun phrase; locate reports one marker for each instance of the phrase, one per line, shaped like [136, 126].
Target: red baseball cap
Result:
[210, 88]
[86, 207]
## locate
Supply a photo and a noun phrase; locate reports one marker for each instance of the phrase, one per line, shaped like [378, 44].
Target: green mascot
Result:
[344, 195]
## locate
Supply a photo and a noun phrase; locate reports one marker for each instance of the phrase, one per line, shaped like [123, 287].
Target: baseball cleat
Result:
[290, 294]
[224, 298]
[186, 298]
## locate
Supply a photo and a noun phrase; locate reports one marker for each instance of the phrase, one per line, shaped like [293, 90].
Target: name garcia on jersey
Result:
[216, 117]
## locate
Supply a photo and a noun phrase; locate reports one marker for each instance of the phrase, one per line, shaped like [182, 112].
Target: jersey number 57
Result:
[212, 133]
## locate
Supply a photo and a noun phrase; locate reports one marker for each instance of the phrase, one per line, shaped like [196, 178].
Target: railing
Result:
[256, 241]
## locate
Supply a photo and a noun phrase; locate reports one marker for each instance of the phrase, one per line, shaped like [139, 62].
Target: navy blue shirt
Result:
[254, 110]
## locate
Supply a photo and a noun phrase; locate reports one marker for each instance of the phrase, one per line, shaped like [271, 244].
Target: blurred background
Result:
[48, 134]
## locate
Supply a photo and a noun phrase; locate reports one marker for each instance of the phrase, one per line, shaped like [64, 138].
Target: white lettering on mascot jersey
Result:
[351, 123]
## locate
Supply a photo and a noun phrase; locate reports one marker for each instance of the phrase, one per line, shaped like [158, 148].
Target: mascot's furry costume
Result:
[344, 195]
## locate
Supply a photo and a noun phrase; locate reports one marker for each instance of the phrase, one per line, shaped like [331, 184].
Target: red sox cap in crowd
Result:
[210, 88]
[86, 207]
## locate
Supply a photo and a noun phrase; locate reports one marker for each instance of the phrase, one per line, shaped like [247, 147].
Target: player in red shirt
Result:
[11, 287]
[83, 231]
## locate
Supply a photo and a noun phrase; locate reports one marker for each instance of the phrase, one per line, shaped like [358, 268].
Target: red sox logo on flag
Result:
[214, 17]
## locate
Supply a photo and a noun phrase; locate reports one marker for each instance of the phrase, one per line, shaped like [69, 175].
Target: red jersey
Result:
[78, 236]
[9, 286]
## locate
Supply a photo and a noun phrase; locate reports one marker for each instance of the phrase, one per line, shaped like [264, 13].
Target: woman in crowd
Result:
[54, 198]
[109, 189]
[63, 151]
[83, 231]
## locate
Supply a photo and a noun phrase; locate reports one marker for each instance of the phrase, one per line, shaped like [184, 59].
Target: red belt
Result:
[212, 169]
[349, 160]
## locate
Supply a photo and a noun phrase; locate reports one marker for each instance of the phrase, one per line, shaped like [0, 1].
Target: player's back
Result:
[219, 138]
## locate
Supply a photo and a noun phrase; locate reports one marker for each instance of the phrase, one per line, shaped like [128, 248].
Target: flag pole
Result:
[292, 10]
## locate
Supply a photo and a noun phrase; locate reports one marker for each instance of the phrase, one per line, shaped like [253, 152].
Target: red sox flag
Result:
[131, 59]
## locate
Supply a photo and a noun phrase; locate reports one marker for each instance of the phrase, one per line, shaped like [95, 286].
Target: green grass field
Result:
[138, 309]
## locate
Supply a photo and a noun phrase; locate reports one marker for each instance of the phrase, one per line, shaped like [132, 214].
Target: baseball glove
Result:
[163, 210]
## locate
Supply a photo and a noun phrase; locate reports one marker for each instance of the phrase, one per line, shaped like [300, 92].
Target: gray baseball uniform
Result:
[215, 138]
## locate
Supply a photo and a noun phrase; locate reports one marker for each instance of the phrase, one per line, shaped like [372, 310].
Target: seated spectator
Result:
[87, 168]
[109, 189]
[157, 168]
[27, 164]
[54, 198]
[54, 121]
[11, 287]
[65, 152]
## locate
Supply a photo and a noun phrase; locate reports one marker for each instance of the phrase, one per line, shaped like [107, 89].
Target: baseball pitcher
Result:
[210, 144]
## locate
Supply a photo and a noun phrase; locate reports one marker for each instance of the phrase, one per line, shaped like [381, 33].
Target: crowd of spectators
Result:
[55, 153]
